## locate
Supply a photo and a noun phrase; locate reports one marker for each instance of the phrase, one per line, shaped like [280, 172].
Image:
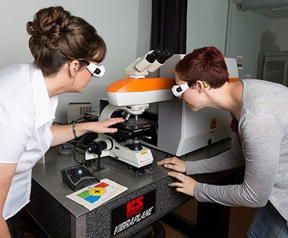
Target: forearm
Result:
[4, 231]
[230, 195]
[261, 152]
[230, 159]
[255, 189]
[261, 163]
[62, 134]
[215, 164]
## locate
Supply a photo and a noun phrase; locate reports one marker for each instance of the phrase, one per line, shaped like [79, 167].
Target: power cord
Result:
[82, 145]
[79, 145]
[65, 149]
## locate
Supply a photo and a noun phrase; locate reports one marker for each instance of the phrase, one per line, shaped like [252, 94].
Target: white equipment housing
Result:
[119, 151]
[180, 130]
[134, 94]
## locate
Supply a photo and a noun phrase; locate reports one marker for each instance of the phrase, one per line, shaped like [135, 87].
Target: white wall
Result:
[206, 23]
[144, 27]
[247, 34]
[116, 21]
[279, 29]
[221, 24]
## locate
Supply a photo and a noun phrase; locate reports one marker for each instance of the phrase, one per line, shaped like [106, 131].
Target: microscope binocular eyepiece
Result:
[160, 55]
[153, 60]
[166, 54]
[155, 54]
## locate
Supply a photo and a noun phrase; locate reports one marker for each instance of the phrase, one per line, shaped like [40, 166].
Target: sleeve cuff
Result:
[197, 191]
[188, 165]
[194, 167]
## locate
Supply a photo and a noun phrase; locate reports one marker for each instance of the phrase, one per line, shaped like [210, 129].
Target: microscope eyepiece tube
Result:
[166, 54]
[148, 59]
[154, 55]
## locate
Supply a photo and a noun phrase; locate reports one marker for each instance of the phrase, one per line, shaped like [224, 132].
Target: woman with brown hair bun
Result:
[67, 53]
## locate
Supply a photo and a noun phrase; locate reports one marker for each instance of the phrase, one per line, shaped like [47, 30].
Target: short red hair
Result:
[204, 64]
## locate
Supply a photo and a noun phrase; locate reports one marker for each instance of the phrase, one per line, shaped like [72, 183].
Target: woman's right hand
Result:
[173, 163]
[104, 126]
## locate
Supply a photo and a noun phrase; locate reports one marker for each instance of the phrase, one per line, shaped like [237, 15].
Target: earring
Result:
[206, 85]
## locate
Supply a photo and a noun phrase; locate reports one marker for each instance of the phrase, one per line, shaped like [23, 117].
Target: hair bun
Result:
[48, 26]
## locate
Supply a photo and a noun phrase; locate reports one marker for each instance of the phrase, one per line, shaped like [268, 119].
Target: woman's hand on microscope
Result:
[185, 184]
[104, 126]
[174, 164]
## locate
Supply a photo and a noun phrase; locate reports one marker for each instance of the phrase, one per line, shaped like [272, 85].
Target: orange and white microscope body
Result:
[133, 94]
[190, 130]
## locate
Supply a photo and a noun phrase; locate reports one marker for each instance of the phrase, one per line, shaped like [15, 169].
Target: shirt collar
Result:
[44, 105]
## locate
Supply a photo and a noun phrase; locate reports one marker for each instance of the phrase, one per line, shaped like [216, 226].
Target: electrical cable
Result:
[77, 149]
[65, 149]
[76, 145]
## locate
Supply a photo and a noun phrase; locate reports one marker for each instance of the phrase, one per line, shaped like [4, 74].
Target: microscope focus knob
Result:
[97, 146]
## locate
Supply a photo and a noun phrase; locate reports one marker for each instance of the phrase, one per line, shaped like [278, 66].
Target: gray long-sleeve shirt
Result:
[262, 146]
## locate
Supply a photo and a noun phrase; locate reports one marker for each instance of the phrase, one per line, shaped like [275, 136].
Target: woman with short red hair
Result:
[260, 142]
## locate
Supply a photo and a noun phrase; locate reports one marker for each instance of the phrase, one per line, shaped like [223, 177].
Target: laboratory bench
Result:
[59, 216]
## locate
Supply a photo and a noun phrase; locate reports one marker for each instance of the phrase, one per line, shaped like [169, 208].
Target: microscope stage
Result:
[133, 125]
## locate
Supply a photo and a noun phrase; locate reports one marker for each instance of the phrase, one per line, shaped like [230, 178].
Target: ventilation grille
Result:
[274, 13]
[269, 8]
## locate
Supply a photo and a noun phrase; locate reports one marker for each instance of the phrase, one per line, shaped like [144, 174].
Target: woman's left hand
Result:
[185, 184]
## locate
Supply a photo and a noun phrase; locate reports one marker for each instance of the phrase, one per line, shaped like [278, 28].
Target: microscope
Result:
[129, 98]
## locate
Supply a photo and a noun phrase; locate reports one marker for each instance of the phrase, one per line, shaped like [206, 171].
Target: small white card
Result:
[94, 195]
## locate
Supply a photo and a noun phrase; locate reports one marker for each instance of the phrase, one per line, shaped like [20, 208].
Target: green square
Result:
[84, 194]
